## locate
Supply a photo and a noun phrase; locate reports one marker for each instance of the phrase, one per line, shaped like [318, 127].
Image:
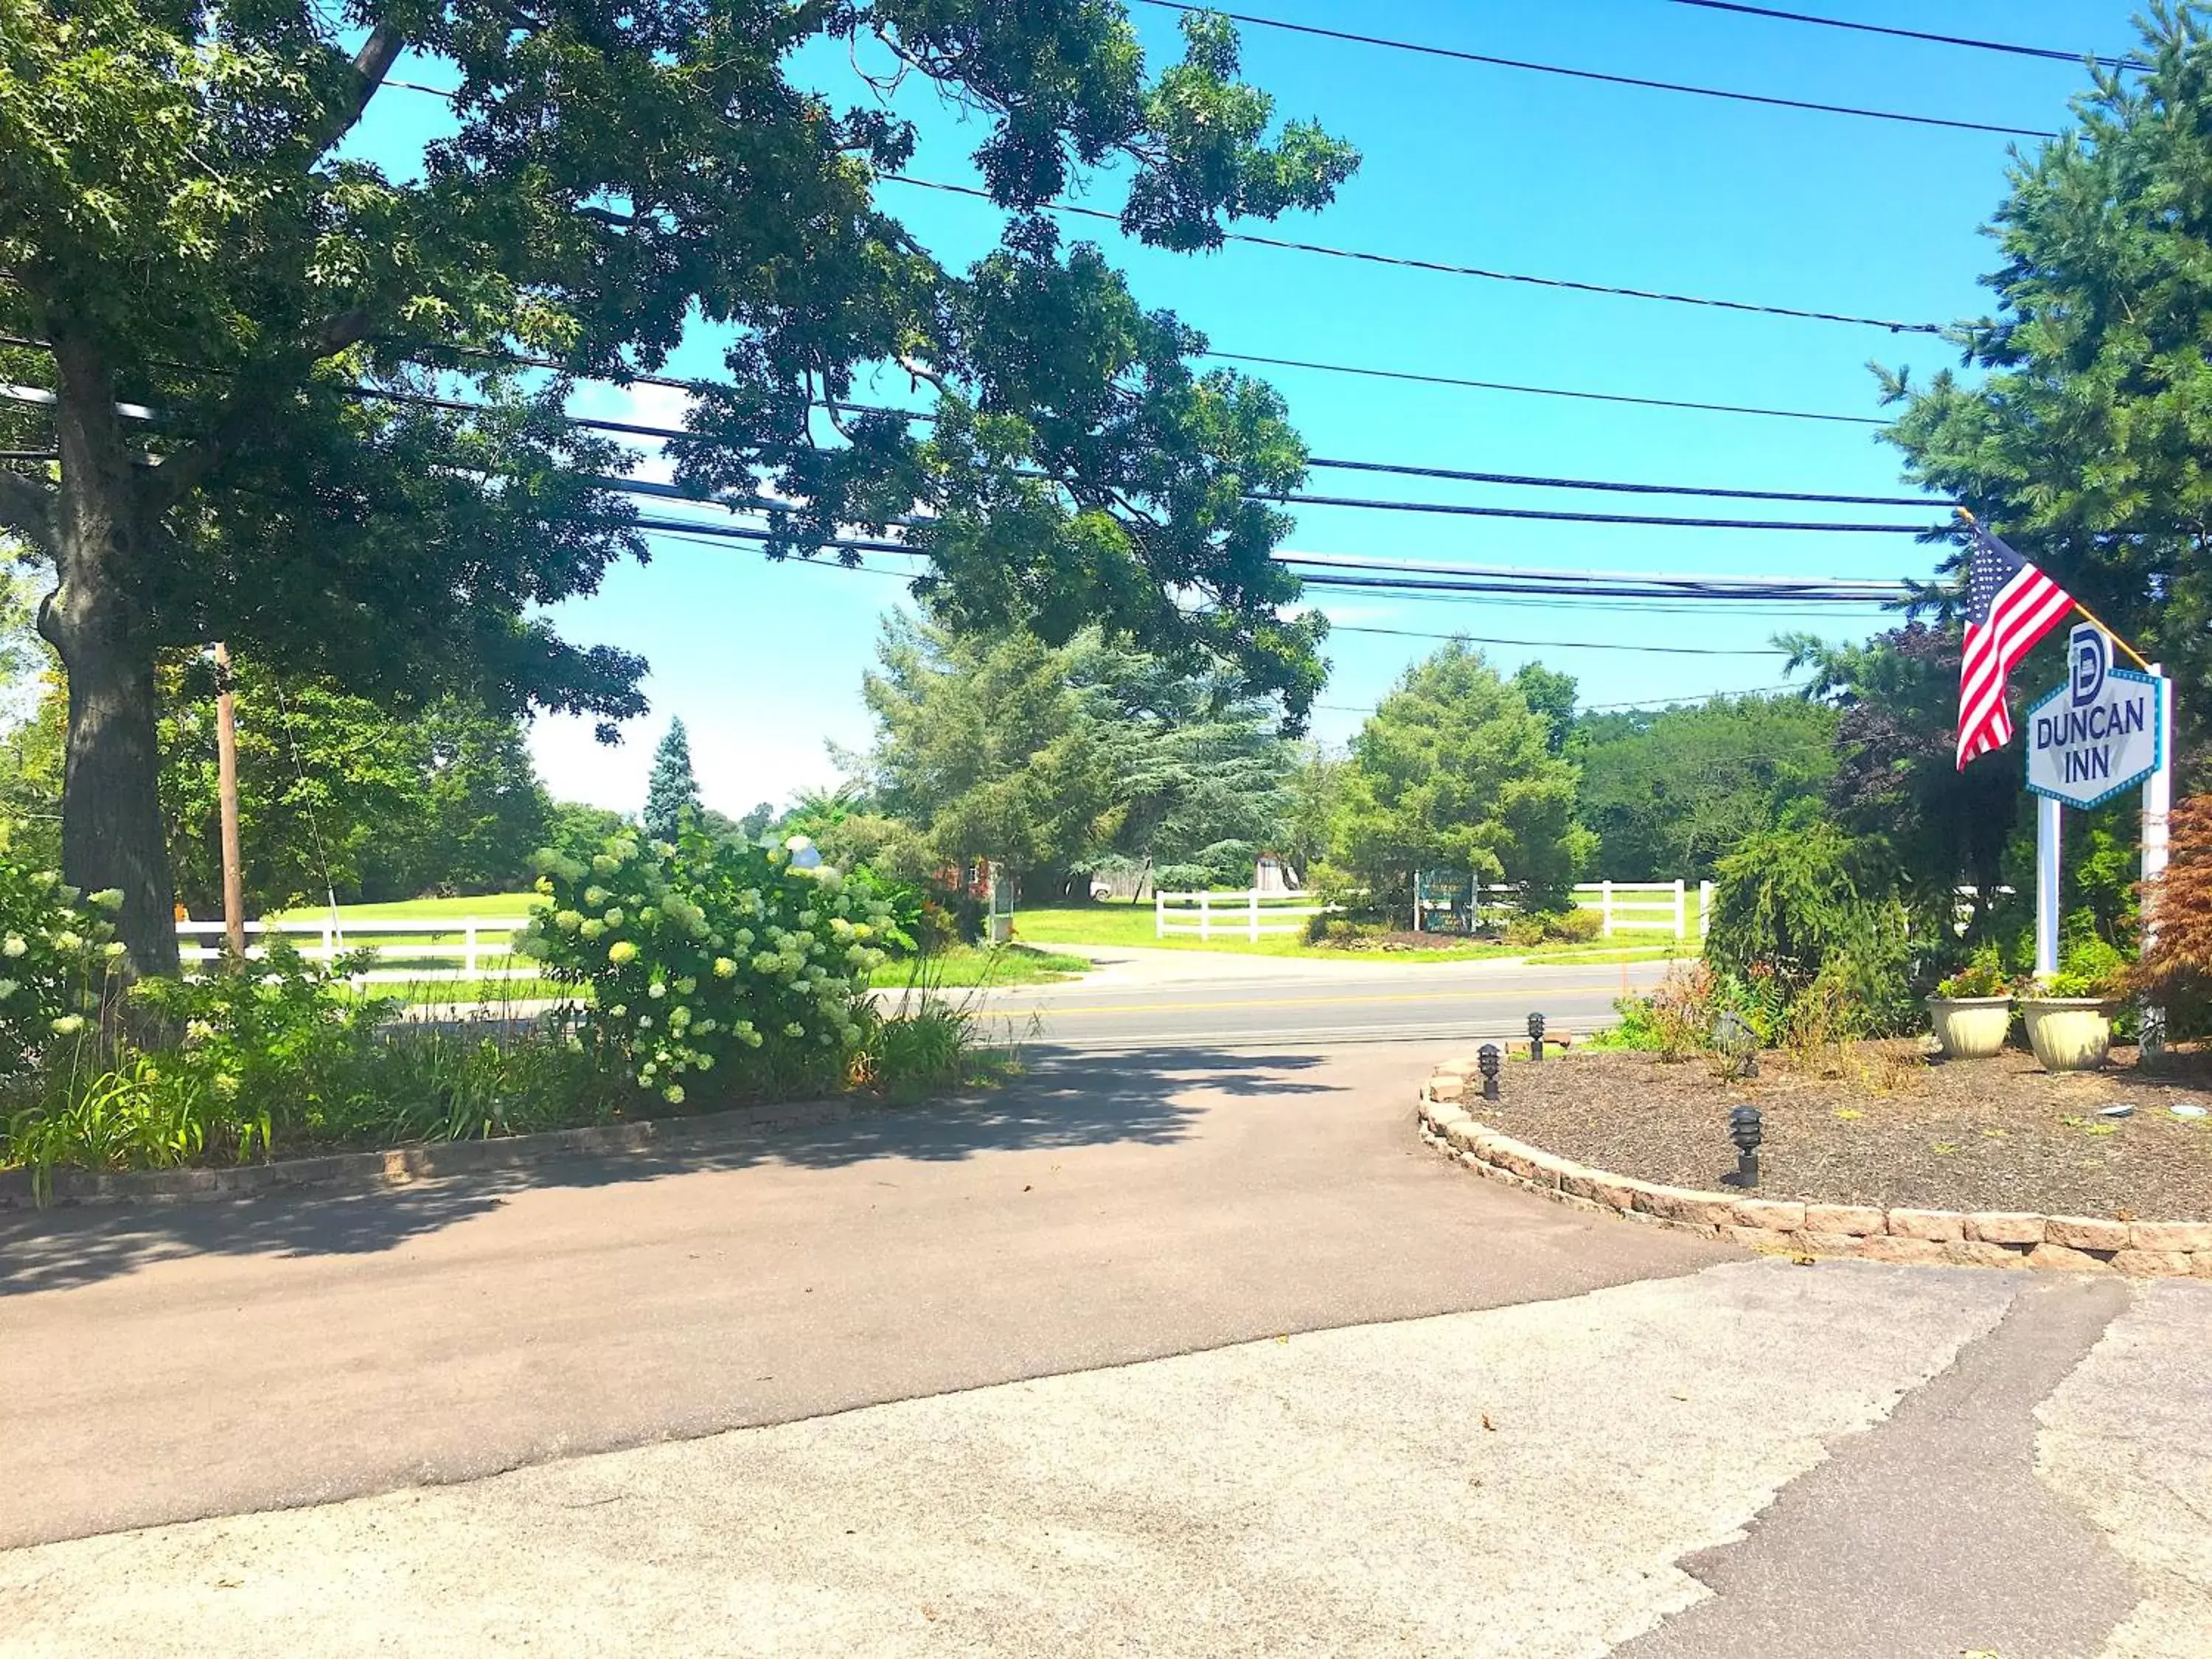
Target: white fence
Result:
[1665, 910]
[456, 950]
[1251, 913]
[1623, 907]
[1631, 907]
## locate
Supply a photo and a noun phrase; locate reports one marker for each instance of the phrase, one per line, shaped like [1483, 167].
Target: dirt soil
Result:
[1880, 1123]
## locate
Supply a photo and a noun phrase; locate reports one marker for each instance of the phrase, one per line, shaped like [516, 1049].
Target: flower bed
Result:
[1877, 1124]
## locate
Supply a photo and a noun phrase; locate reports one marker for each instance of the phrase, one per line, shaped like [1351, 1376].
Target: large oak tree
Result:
[210, 278]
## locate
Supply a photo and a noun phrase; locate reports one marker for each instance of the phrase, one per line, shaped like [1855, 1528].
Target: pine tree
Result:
[671, 798]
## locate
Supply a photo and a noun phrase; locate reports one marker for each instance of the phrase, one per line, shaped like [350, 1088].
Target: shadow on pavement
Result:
[1065, 1100]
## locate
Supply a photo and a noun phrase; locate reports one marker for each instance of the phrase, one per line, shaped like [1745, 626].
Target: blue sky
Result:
[1481, 165]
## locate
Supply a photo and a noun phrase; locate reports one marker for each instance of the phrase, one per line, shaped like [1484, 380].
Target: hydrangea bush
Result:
[57, 952]
[710, 955]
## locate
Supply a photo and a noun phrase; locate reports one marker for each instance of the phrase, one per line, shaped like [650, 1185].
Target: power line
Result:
[1573, 645]
[667, 434]
[1768, 99]
[1444, 268]
[1403, 470]
[1324, 571]
[1298, 498]
[2049, 52]
[1544, 390]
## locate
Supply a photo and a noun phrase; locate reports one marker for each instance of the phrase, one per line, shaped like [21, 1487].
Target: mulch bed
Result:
[1882, 1124]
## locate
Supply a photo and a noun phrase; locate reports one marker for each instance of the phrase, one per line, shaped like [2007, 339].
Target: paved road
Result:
[164, 1363]
[1185, 1349]
[1221, 1000]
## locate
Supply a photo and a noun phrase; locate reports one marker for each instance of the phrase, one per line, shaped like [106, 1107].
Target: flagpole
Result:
[2088, 615]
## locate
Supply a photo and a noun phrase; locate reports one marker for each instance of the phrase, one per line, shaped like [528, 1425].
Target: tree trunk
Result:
[112, 827]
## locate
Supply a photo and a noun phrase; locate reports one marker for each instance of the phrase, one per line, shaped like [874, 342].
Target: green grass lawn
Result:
[968, 966]
[504, 906]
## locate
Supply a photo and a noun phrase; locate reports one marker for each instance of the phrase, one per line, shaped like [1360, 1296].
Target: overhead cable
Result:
[704, 534]
[2051, 53]
[1444, 267]
[1543, 391]
[1770, 100]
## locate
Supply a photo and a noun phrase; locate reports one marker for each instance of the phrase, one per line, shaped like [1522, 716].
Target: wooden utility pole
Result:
[226, 772]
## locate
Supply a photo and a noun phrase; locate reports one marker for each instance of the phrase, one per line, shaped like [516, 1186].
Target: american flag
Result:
[2011, 604]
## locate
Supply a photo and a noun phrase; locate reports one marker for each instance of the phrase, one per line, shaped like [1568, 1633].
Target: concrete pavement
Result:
[1527, 1480]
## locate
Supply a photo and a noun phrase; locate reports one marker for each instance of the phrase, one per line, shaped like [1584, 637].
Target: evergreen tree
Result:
[673, 795]
[1455, 771]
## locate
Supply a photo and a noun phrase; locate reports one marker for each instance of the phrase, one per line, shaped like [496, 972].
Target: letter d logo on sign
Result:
[2089, 653]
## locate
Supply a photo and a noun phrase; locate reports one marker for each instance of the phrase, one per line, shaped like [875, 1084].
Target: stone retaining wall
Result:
[1981, 1238]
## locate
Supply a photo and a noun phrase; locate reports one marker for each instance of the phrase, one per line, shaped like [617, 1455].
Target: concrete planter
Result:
[2068, 1033]
[1971, 1028]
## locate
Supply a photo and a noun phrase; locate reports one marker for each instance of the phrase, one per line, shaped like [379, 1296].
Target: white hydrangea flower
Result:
[656, 990]
[14, 947]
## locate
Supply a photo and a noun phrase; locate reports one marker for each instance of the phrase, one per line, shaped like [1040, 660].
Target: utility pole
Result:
[226, 772]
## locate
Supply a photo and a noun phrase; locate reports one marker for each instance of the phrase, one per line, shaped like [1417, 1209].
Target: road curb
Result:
[1975, 1238]
[398, 1166]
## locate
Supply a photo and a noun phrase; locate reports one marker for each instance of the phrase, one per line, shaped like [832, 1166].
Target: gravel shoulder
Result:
[1880, 1125]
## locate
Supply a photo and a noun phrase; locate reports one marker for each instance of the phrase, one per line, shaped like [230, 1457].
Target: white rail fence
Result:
[1648, 907]
[1253, 914]
[466, 949]
[1623, 907]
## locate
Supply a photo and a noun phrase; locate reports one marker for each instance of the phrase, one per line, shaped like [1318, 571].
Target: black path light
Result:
[1744, 1129]
[1536, 1037]
[1487, 1058]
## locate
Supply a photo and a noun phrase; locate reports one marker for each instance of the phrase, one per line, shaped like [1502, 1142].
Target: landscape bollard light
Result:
[1536, 1037]
[1744, 1131]
[1487, 1058]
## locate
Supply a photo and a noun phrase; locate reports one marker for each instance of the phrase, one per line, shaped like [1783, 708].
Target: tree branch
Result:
[25, 511]
[370, 65]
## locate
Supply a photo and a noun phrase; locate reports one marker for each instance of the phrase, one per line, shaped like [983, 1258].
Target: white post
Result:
[1255, 915]
[1682, 919]
[1159, 913]
[329, 952]
[1605, 906]
[469, 948]
[2047, 812]
[2157, 803]
[1205, 916]
[1704, 908]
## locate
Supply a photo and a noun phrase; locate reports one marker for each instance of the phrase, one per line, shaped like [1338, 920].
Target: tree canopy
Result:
[1067, 760]
[191, 221]
[1455, 771]
[2084, 441]
[1670, 792]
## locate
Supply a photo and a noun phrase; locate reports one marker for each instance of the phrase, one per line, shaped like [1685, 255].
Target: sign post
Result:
[2100, 734]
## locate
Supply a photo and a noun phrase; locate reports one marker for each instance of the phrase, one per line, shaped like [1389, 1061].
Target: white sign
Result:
[2099, 734]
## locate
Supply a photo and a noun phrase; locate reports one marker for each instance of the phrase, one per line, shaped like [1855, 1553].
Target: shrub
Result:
[59, 960]
[1345, 934]
[710, 954]
[2176, 969]
[1789, 902]
[280, 1043]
